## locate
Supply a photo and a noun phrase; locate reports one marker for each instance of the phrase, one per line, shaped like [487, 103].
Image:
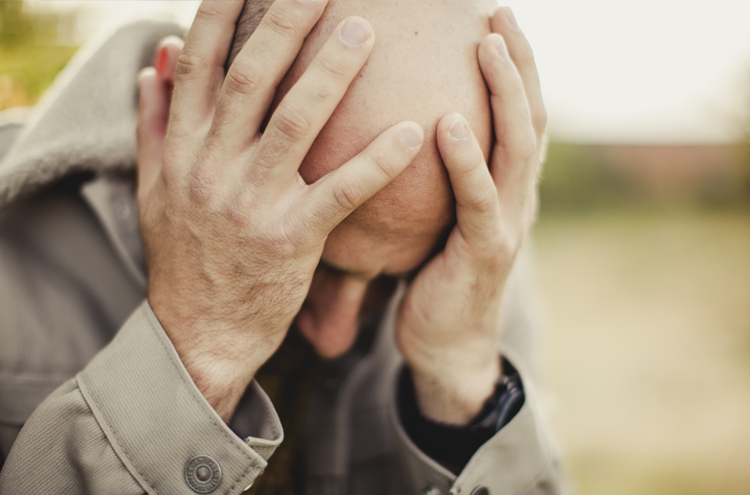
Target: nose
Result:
[329, 316]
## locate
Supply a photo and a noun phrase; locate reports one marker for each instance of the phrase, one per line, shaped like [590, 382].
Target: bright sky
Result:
[668, 71]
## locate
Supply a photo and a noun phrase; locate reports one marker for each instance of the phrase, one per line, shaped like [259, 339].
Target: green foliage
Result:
[575, 180]
[30, 59]
[590, 178]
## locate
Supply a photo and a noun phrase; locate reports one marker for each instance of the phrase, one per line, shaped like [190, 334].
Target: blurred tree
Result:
[30, 57]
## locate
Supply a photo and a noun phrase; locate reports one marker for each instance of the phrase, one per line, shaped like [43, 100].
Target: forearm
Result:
[221, 357]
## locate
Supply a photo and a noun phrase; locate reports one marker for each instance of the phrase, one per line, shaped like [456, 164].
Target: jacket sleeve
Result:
[521, 458]
[132, 421]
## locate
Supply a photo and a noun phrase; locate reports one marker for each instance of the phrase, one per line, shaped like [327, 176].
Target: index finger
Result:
[200, 68]
[336, 195]
[258, 69]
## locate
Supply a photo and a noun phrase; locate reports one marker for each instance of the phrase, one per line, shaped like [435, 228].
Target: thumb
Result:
[153, 111]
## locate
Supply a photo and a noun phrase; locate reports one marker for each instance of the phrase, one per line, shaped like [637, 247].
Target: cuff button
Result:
[480, 490]
[203, 474]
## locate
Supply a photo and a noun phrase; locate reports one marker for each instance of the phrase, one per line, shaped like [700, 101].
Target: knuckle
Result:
[169, 170]
[244, 79]
[200, 189]
[237, 210]
[189, 66]
[347, 196]
[292, 124]
[334, 68]
[485, 200]
[281, 24]
[285, 239]
[201, 183]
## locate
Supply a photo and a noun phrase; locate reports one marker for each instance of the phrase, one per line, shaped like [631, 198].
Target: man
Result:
[254, 221]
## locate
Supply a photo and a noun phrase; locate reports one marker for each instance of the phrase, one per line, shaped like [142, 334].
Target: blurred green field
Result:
[647, 298]
[649, 348]
[648, 308]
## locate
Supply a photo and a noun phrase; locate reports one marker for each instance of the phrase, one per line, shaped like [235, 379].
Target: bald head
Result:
[423, 67]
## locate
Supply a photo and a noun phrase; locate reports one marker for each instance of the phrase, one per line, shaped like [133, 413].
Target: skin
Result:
[405, 78]
[235, 220]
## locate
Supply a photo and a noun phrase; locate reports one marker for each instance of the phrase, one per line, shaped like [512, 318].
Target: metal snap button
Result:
[430, 490]
[480, 490]
[203, 474]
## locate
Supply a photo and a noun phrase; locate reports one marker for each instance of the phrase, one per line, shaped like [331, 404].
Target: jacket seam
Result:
[115, 432]
[195, 399]
[115, 435]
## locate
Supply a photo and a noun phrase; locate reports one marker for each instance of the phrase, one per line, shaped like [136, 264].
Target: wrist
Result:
[453, 446]
[220, 360]
[222, 382]
[455, 392]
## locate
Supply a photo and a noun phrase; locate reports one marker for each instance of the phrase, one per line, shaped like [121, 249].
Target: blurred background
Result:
[643, 242]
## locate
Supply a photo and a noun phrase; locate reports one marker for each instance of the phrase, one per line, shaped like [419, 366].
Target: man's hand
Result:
[449, 322]
[232, 233]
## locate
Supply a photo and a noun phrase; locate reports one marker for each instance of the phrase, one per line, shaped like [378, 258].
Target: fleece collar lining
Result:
[87, 119]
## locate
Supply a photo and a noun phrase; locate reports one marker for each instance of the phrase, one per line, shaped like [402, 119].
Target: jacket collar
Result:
[87, 119]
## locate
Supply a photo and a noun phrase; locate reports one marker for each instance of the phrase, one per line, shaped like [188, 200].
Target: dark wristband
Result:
[453, 446]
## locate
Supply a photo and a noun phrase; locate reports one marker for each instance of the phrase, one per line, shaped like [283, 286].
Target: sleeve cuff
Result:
[453, 446]
[157, 421]
[516, 459]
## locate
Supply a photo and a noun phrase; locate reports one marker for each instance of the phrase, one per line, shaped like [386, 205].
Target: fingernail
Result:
[457, 130]
[161, 61]
[173, 40]
[411, 138]
[354, 32]
[502, 50]
[144, 74]
[512, 20]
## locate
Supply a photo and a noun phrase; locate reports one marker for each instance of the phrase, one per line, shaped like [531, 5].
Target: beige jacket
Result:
[85, 368]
